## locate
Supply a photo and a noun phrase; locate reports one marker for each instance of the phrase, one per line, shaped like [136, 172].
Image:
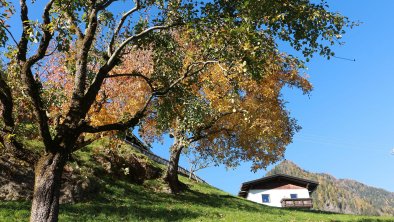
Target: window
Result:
[266, 198]
[293, 196]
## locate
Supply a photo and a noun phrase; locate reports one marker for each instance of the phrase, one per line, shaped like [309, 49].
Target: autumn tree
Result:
[229, 116]
[95, 39]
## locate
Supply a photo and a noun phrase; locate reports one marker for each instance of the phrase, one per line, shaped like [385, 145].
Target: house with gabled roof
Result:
[280, 190]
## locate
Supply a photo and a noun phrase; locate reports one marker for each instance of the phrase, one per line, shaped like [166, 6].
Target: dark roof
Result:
[309, 184]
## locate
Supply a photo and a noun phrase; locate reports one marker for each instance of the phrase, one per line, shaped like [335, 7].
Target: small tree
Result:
[197, 161]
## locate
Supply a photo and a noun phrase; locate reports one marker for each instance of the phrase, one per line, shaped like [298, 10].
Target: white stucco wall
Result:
[276, 195]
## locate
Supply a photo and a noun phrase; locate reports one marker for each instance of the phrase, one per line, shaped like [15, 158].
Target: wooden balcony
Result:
[297, 203]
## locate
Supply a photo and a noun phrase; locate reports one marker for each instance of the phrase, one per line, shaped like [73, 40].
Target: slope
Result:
[123, 185]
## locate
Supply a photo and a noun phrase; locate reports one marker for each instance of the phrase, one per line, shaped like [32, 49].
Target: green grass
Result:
[121, 201]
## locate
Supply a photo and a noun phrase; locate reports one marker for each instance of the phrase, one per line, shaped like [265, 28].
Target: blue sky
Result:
[348, 120]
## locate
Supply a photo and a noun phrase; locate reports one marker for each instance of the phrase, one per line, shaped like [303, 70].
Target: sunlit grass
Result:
[121, 201]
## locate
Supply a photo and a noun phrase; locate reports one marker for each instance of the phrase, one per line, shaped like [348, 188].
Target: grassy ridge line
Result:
[120, 201]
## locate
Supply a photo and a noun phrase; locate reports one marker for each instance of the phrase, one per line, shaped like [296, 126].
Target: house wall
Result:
[276, 195]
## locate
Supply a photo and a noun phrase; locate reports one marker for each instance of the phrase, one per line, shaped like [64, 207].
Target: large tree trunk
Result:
[172, 170]
[48, 173]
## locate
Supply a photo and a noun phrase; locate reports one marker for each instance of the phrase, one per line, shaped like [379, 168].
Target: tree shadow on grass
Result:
[131, 212]
[223, 201]
[127, 201]
[372, 220]
[138, 203]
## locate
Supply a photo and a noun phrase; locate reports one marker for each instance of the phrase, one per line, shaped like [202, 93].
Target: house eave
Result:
[308, 184]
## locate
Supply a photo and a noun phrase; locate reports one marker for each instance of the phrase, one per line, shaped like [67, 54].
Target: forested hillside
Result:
[342, 195]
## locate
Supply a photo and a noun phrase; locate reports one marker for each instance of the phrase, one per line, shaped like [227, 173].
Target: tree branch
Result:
[7, 139]
[22, 46]
[120, 25]
[81, 144]
[86, 44]
[78, 31]
[184, 76]
[94, 88]
[134, 74]
[117, 51]
[199, 135]
[46, 37]
[141, 113]
[33, 87]
[9, 32]
[120, 126]
[76, 112]
[105, 4]
[6, 101]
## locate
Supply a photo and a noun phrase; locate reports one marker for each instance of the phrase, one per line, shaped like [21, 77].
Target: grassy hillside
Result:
[342, 195]
[121, 196]
[122, 201]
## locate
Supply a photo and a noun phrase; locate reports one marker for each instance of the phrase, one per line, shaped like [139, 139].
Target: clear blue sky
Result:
[348, 120]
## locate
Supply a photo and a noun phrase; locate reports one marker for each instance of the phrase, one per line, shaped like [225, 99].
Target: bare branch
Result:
[120, 24]
[202, 166]
[117, 51]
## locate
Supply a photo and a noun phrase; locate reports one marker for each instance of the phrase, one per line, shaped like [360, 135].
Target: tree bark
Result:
[190, 172]
[48, 173]
[171, 176]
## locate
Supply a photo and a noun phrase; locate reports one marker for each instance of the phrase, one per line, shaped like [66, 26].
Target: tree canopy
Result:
[95, 66]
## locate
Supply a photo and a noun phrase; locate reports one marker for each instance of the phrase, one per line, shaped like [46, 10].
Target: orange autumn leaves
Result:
[260, 127]
[121, 97]
[118, 99]
[257, 129]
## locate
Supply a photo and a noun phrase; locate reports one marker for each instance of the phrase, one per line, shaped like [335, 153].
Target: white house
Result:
[280, 190]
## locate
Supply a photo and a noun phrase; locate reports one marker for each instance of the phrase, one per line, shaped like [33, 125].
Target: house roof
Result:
[309, 184]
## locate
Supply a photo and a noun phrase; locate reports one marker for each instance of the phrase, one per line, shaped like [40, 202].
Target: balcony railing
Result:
[297, 203]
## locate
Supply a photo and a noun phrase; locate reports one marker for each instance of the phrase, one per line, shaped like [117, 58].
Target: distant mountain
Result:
[342, 195]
